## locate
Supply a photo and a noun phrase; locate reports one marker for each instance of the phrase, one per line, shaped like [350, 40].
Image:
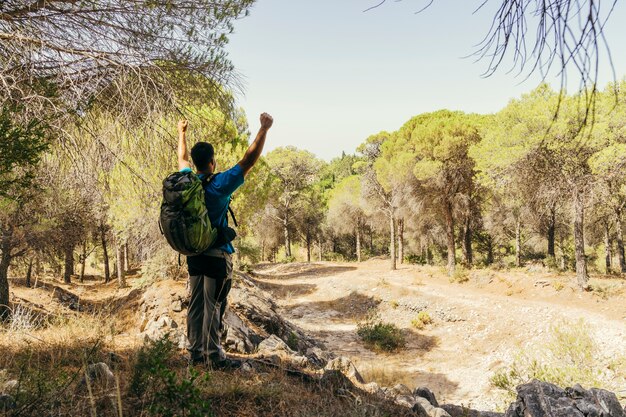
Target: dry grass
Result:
[386, 376]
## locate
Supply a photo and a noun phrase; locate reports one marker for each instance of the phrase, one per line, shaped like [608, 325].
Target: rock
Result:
[345, 366]
[426, 393]
[458, 411]
[10, 386]
[336, 380]
[274, 344]
[407, 401]
[317, 357]
[7, 402]
[100, 376]
[402, 389]
[424, 408]
[372, 388]
[539, 399]
[177, 306]
[239, 337]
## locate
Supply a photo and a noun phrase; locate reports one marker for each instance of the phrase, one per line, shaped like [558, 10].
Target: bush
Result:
[164, 392]
[421, 320]
[460, 275]
[380, 336]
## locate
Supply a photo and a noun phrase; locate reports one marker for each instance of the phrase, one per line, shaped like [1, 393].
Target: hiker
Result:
[210, 273]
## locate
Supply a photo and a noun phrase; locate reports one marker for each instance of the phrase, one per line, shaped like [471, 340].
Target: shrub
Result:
[380, 336]
[163, 391]
[394, 304]
[421, 320]
[460, 275]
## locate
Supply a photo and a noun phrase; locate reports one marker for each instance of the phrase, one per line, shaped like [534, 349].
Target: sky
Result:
[332, 74]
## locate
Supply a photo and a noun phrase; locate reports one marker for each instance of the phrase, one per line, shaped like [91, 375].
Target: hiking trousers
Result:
[207, 306]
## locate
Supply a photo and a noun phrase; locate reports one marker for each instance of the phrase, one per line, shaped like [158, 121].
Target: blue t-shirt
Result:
[217, 194]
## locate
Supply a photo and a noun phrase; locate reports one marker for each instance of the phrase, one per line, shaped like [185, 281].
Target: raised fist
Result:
[182, 125]
[266, 121]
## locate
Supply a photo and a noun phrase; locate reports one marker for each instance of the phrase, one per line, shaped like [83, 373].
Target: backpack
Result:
[184, 220]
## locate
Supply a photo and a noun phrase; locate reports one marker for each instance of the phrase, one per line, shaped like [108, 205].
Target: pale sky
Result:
[332, 74]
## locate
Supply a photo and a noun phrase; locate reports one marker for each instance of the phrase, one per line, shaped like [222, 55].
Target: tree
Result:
[345, 210]
[294, 171]
[83, 47]
[435, 146]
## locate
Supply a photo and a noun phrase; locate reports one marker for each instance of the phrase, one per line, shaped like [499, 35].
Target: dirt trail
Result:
[479, 325]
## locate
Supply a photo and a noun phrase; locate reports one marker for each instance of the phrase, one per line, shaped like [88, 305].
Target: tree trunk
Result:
[358, 243]
[68, 270]
[319, 249]
[392, 241]
[518, 243]
[308, 246]
[552, 232]
[450, 238]
[126, 261]
[468, 255]
[5, 261]
[287, 240]
[619, 233]
[401, 241]
[105, 255]
[121, 275]
[83, 261]
[607, 248]
[29, 272]
[579, 240]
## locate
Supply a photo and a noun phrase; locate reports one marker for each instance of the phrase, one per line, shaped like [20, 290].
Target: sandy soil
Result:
[478, 325]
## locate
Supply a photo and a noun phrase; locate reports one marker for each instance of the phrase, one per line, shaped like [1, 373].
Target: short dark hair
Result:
[202, 154]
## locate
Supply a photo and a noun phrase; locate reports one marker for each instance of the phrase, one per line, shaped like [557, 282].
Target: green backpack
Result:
[184, 219]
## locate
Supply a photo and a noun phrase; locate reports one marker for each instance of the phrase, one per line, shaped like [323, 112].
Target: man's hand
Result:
[182, 126]
[266, 121]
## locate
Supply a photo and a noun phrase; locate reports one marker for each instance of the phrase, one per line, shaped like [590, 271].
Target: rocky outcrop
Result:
[542, 399]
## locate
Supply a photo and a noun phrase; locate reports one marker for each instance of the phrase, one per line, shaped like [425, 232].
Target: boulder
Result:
[345, 366]
[424, 408]
[402, 389]
[426, 393]
[407, 401]
[10, 386]
[542, 399]
[458, 411]
[335, 380]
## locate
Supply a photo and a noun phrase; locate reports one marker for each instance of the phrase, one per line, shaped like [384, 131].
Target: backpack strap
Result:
[205, 181]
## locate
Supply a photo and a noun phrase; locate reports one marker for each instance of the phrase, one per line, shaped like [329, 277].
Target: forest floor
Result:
[479, 326]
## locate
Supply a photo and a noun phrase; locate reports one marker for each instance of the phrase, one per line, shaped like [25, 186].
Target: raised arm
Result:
[254, 150]
[183, 156]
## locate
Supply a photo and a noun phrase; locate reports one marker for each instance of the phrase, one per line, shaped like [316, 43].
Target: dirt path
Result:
[479, 325]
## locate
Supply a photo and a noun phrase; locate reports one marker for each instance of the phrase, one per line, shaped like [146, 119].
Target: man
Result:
[210, 274]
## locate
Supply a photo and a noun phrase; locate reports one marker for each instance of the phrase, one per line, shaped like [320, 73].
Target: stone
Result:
[274, 344]
[423, 407]
[426, 393]
[407, 401]
[372, 388]
[345, 366]
[177, 306]
[459, 411]
[539, 399]
[100, 376]
[336, 380]
[402, 389]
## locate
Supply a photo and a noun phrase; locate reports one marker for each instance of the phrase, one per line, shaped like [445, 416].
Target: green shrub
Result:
[161, 389]
[380, 336]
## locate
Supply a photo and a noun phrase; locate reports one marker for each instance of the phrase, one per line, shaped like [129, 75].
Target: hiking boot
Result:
[197, 362]
[216, 362]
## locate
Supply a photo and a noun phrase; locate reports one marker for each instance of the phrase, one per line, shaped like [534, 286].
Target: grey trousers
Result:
[207, 306]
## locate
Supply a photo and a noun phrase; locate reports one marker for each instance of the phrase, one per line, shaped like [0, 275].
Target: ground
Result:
[479, 325]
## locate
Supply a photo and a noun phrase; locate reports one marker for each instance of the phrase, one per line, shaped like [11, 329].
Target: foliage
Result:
[163, 391]
[380, 336]
[421, 320]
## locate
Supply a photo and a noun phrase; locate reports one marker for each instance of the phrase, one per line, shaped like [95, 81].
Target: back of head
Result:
[202, 155]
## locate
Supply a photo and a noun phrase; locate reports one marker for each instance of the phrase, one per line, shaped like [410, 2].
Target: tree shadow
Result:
[291, 271]
[285, 291]
[354, 306]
